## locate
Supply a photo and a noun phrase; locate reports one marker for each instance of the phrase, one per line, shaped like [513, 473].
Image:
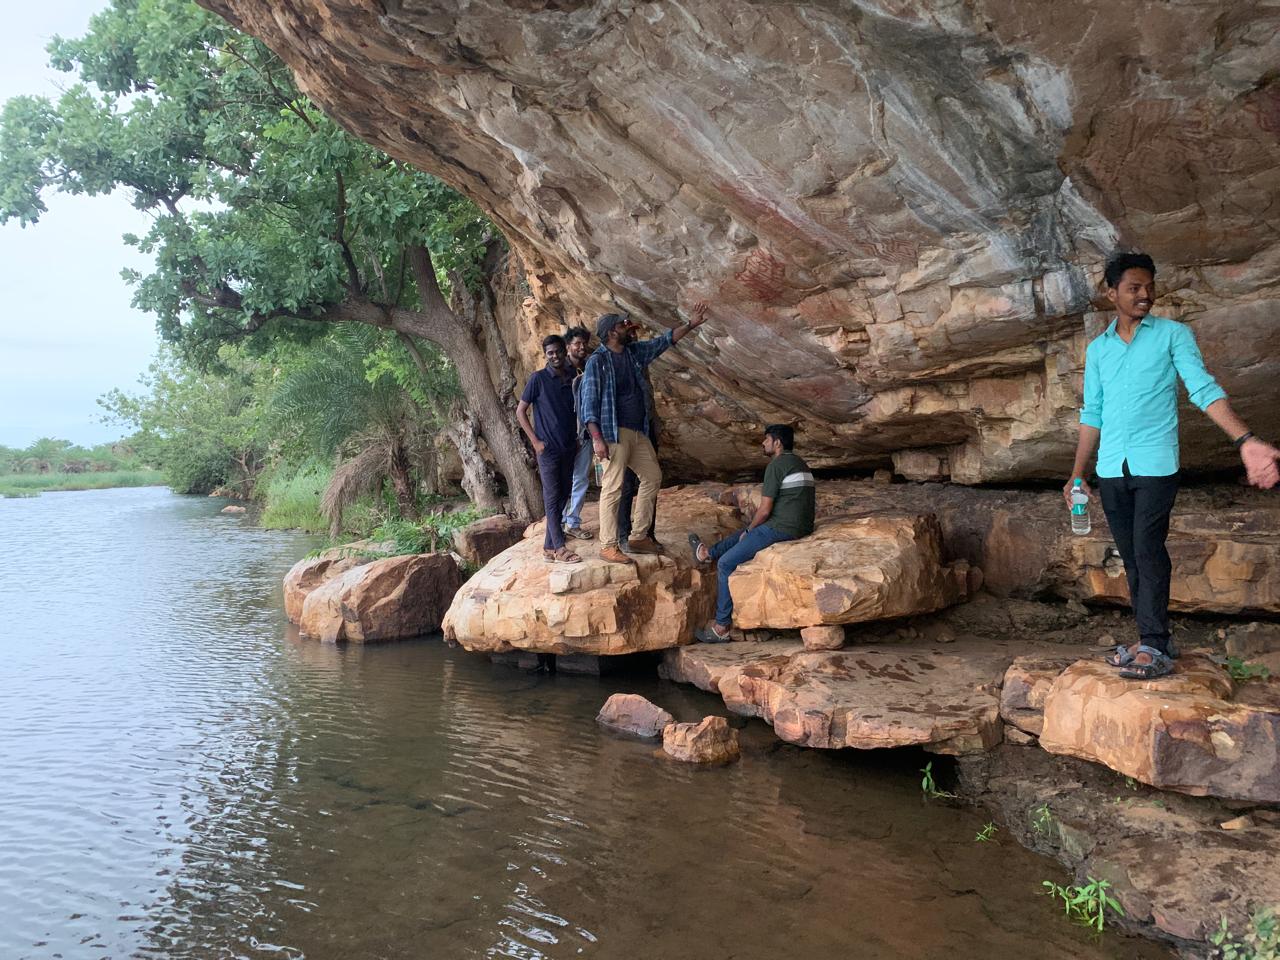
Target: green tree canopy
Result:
[268, 220]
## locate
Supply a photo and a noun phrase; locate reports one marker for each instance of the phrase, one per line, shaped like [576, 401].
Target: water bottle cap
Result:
[1078, 482]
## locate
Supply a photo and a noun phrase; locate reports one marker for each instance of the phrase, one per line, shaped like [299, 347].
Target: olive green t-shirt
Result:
[788, 481]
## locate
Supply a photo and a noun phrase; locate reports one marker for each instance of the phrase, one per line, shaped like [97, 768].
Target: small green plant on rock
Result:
[1241, 671]
[1260, 942]
[1086, 904]
[988, 832]
[929, 787]
[1042, 819]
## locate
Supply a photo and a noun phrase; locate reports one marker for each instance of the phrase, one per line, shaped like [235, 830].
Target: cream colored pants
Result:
[635, 451]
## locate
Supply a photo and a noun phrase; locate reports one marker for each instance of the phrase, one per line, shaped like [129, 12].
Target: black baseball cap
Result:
[610, 320]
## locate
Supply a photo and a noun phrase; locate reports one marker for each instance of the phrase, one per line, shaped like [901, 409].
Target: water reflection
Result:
[185, 777]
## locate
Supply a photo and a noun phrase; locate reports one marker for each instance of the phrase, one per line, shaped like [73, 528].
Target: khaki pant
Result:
[635, 451]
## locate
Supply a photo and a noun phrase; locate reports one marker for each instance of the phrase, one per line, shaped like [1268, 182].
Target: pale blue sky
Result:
[67, 332]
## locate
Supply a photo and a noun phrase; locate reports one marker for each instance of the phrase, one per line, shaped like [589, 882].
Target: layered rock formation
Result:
[1224, 541]
[1184, 732]
[868, 698]
[897, 209]
[519, 601]
[852, 570]
[389, 599]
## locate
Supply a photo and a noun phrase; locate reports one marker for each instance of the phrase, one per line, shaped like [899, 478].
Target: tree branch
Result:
[424, 272]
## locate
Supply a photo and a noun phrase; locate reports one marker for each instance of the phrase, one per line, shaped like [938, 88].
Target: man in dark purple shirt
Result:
[554, 436]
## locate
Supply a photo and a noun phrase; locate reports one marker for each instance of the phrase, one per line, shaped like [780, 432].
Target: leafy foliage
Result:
[203, 429]
[1087, 904]
[929, 787]
[1261, 941]
[264, 209]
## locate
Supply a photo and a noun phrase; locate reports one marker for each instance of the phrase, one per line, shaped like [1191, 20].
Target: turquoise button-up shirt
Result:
[1131, 395]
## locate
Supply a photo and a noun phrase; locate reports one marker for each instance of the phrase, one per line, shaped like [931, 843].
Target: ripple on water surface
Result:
[183, 777]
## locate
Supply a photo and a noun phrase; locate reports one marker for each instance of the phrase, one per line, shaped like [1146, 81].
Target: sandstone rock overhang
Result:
[897, 210]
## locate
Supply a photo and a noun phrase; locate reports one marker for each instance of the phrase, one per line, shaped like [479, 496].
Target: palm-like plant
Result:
[342, 402]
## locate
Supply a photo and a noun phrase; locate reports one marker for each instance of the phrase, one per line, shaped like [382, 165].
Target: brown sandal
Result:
[565, 555]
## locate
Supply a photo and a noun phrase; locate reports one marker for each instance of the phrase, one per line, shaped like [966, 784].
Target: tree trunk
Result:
[402, 483]
[477, 478]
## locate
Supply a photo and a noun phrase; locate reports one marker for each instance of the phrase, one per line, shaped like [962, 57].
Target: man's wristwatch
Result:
[1239, 441]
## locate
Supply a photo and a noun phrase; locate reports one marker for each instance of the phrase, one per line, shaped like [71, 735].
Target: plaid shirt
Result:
[599, 398]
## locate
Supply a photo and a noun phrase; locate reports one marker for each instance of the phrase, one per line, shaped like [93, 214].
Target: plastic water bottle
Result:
[1079, 509]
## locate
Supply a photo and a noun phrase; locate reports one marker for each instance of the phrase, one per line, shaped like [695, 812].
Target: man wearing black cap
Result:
[615, 409]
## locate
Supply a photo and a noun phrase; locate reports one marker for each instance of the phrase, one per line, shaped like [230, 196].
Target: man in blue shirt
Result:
[615, 408]
[1131, 404]
[554, 435]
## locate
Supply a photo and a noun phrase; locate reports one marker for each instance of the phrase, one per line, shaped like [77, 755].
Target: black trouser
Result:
[1137, 510]
[630, 486]
[556, 471]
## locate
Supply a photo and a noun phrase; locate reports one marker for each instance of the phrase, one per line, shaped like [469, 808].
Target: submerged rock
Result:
[389, 599]
[848, 571]
[710, 741]
[633, 714]
[1182, 732]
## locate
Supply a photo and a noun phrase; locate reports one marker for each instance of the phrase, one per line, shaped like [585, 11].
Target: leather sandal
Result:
[1160, 666]
[565, 555]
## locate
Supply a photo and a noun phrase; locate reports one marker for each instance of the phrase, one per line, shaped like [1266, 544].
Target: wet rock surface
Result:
[1176, 872]
[711, 740]
[390, 599]
[632, 714]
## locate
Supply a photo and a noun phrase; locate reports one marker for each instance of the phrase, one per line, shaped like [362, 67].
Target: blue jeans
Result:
[578, 493]
[733, 551]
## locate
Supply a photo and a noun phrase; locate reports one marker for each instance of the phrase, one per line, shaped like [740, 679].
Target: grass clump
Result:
[1261, 941]
[1087, 904]
[988, 832]
[433, 532]
[33, 484]
[293, 499]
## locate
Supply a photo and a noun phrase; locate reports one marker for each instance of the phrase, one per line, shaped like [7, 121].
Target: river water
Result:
[182, 776]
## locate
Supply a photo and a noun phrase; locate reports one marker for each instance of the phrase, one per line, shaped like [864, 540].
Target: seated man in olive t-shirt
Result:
[785, 513]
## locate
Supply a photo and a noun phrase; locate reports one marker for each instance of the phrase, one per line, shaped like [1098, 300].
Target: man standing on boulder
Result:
[615, 409]
[554, 439]
[577, 340]
[1131, 404]
[787, 506]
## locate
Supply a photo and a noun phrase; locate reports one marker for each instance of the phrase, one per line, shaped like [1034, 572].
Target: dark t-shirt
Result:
[788, 481]
[628, 392]
[554, 422]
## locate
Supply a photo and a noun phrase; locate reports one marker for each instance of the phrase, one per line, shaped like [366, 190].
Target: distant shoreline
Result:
[34, 484]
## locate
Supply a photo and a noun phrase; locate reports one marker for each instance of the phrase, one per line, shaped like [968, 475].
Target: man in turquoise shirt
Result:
[1131, 403]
